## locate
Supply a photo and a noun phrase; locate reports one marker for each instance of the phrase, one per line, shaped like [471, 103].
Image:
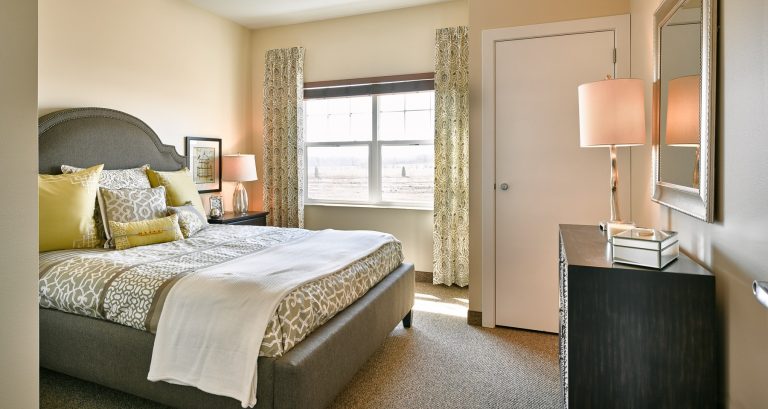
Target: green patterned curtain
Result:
[451, 214]
[284, 137]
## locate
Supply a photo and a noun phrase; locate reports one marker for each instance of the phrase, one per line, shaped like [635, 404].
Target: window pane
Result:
[391, 125]
[315, 127]
[360, 126]
[418, 125]
[407, 173]
[391, 102]
[338, 127]
[337, 173]
[315, 107]
[338, 105]
[360, 104]
[338, 119]
[418, 100]
[407, 116]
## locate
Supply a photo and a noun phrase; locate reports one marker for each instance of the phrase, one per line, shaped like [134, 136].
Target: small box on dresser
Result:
[645, 247]
[633, 337]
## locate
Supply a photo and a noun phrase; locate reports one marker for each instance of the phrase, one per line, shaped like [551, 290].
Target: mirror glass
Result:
[680, 95]
[685, 55]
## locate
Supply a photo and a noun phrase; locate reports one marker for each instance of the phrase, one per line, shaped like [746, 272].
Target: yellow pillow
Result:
[144, 232]
[179, 187]
[66, 204]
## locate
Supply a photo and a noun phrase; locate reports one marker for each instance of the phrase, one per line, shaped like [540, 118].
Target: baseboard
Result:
[423, 277]
[475, 318]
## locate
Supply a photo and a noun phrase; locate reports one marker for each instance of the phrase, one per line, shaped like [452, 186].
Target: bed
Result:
[309, 375]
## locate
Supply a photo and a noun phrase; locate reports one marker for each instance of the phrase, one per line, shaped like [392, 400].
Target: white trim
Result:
[385, 205]
[374, 158]
[621, 26]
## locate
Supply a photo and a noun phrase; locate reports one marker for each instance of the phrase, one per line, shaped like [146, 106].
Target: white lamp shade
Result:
[238, 168]
[612, 112]
[683, 95]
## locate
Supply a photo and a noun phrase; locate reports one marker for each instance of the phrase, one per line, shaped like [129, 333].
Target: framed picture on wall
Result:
[204, 162]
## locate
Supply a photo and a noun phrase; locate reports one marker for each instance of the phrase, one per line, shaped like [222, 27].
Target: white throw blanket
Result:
[213, 321]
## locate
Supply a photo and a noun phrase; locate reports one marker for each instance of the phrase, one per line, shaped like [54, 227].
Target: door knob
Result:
[504, 186]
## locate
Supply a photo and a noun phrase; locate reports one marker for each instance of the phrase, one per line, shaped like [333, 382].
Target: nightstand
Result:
[248, 219]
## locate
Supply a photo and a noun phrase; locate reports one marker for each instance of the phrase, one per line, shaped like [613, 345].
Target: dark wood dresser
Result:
[632, 337]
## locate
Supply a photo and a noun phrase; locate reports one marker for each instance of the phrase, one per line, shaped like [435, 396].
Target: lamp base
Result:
[240, 200]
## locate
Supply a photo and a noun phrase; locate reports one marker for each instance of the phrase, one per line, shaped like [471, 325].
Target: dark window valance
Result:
[370, 86]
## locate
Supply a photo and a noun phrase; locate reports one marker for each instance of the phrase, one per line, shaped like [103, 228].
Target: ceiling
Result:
[268, 13]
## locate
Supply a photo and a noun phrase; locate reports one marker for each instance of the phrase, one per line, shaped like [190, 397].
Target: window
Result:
[371, 149]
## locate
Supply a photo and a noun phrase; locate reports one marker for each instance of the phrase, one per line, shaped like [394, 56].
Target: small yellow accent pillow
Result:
[179, 187]
[66, 204]
[144, 232]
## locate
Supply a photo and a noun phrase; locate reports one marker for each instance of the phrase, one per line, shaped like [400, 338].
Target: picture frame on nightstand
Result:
[217, 207]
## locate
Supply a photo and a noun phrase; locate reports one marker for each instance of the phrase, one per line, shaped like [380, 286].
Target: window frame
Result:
[375, 146]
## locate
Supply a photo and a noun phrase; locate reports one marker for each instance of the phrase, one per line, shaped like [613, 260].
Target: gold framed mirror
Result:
[685, 39]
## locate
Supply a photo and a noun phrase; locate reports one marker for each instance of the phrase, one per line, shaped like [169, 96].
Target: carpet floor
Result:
[441, 362]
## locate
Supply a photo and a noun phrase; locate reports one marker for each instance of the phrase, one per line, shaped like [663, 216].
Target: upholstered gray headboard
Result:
[85, 137]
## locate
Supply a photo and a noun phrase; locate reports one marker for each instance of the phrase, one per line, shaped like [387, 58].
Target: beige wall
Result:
[182, 70]
[387, 43]
[412, 227]
[734, 246]
[18, 220]
[487, 14]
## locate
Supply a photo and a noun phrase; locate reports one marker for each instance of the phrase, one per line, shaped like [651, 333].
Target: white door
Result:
[548, 178]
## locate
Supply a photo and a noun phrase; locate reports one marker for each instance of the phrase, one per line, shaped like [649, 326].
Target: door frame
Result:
[620, 25]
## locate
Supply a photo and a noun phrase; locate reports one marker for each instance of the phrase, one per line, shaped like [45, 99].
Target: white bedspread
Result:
[213, 321]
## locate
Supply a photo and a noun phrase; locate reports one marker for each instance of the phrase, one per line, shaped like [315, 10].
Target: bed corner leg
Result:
[408, 319]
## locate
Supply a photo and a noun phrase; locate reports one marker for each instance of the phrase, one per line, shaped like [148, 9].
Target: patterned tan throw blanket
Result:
[129, 287]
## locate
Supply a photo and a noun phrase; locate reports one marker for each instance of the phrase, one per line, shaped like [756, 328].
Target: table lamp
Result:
[239, 168]
[683, 124]
[612, 114]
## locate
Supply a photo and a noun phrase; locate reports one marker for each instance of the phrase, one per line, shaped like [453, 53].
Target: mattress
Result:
[129, 287]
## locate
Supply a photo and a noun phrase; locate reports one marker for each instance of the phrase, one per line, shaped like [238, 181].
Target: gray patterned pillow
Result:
[190, 219]
[135, 178]
[132, 205]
